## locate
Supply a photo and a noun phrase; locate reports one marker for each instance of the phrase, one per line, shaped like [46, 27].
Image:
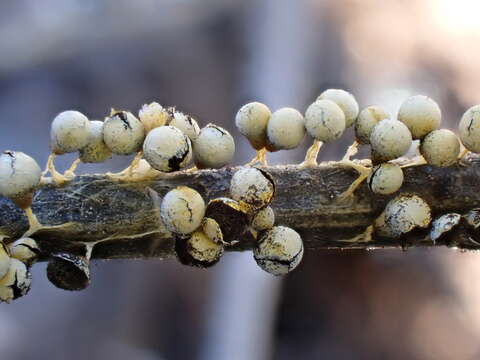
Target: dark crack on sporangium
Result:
[175, 161]
[370, 181]
[123, 116]
[220, 130]
[14, 159]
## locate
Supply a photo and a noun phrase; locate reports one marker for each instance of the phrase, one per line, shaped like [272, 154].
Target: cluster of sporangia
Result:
[165, 140]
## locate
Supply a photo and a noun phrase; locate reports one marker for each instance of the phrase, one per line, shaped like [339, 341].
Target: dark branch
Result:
[121, 220]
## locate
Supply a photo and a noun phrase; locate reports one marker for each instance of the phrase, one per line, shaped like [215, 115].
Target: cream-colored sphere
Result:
[325, 120]
[366, 121]
[278, 250]
[440, 148]
[285, 129]
[24, 249]
[214, 147]
[16, 282]
[253, 187]
[69, 132]
[96, 151]
[212, 229]
[4, 260]
[390, 139]
[385, 179]
[167, 149]
[469, 129]
[345, 100]
[182, 210]
[406, 212]
[187, 124]
[153, 115]
[123, 133]
[264, 219]
[252, 120]
[421, 114]
[19, 174]
[203, 249]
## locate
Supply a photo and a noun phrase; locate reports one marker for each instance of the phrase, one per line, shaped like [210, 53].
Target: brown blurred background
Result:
[209, 57]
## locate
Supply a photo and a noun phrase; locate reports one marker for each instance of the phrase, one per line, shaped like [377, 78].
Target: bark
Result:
[121, 219]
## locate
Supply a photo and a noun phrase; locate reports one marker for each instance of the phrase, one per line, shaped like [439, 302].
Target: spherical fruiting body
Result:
[232, 217]
[421, 114]
[345, 100]
[325, 120]
[390, 139]
[469, 129]
[153, 115]
[4, 259]
[440, 148]
[214, 147]
[385, 179]
[406, 212]
[69, 272]
[187, 124]
[19, 176]
[96, 151]
[253, 187]
[16, 283]
[285, 129]
[167, 149]
[198, 250]
[69, 132]
[182, 210]
[25, 249]
[278, 250]
[123, 133]
[252, 120]
[212, 229]
[366, 121]
[263, 219]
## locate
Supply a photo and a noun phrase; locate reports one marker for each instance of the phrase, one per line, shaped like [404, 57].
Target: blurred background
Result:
[208, 58]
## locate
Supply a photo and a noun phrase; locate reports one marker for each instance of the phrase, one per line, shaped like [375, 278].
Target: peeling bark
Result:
[121, 219]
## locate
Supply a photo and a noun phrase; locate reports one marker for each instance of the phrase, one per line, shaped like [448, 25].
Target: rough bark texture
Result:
[121, 220]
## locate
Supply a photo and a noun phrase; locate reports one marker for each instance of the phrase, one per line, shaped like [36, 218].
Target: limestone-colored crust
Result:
[167, 149]
[19, 174]
[345, 100]
[406, 212]
[214, 147]
[24, 249]
[187, 124]
[123, 133]
[252, 120]
[385, 179]
[264, 219]
[69, 132]
[153, 115]
[285, 129]
[390, 139]
[469, 129]
[440, 148]
[366, 121]
[279, 250]
[212, 229]
[251, 186]
[96, 151]
[182, 210]
[16, 283]
[421, 114]
[325, 120]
